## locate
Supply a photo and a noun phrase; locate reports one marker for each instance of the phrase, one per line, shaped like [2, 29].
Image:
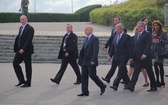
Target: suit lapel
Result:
[88, 41]
[121, 38]
[135, 39]
[24, 30]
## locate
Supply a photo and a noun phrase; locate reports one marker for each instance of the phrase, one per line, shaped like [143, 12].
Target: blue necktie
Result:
[86, 42]
[118, 39]
[139, 34]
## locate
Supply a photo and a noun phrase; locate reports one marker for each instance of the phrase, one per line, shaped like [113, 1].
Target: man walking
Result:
[109, 42]
[142, 56]
[23, 48]
[68, 54]
[88, 61]
[121, 51]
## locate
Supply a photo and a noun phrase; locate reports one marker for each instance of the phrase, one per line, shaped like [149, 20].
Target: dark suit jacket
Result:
[71, 46]
[89, 53]
[25, 41]
[110, 40]
[121, 51]
[143, 46]
[149, 29]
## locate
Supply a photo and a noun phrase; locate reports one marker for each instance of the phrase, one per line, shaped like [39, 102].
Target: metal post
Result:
[166, 14]
[34, 6]
[72, 5]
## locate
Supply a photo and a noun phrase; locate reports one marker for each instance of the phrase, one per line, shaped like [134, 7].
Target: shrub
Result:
[84, 12]
[40, 17]
[130, 12]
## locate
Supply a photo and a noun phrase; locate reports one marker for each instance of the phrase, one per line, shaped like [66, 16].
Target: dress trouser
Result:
[122, 73]
[90, 71]
[112, 70]
[137, 69]
[63, 67]
[28, 66]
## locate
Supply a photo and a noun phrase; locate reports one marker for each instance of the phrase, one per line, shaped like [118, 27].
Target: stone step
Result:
[46, 49]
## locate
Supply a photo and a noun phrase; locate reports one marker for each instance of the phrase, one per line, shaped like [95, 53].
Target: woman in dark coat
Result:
[159, 39]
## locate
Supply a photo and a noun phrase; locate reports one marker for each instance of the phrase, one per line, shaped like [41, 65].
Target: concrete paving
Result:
[56, 28]
[44, 92]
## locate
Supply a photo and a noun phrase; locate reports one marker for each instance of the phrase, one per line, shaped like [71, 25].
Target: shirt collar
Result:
[24, 25]
[89, 36]
[141, 32]
[121, 34]
[68, 33]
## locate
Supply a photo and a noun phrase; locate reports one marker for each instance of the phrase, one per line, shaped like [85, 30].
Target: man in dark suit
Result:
[121, 52]
[147, 27]
[111, 72]
[142, 56]
[23, 47]
[68, 54]
[88, 61]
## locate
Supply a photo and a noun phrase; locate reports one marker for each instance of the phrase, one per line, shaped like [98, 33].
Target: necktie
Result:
[139, 34]
[86, 42]
[118, 39]
[64, 46]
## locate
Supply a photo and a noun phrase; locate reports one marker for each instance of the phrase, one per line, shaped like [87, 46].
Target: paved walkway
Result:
[55, 28]
[44, 92]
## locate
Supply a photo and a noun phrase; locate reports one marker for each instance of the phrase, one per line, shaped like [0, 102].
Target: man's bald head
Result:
[23, 19]
[88, 30]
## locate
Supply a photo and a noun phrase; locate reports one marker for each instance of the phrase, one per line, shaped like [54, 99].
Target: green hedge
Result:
[40, 17]
[130, 12]
[84, 12]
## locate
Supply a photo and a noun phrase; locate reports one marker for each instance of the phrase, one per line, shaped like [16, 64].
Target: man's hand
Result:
[131, 61]
[92, 63]
[21, 51]
[19, 9]
[66, 54]
[109, 59]
[143, 57]
[103, 47]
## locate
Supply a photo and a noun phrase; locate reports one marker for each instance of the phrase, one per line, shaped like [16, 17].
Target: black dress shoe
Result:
[103, 89]
[114, 87]
[162, 84]
[145, 85]
[77, 82]
[108, 81]
[126, 87]
[122, 82]
[25, 85]
[20, 83]
[83, 94]
[166, 75]
[152, 90]
[54, 81]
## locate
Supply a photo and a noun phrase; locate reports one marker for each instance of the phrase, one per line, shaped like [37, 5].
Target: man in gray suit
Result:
[24, 7]
[88, 60]
[121, 51]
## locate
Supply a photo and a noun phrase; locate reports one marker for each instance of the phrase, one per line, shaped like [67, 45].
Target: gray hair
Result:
[120, 25]
[141, 23]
